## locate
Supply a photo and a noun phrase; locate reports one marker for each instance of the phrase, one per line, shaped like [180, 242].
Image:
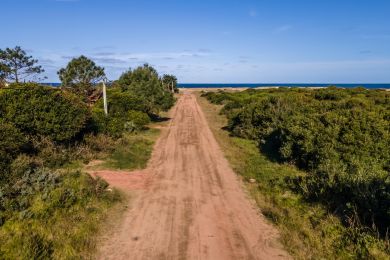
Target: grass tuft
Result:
[133, 152]
[58, 221]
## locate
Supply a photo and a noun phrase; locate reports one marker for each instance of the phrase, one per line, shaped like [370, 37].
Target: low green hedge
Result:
[43, 111]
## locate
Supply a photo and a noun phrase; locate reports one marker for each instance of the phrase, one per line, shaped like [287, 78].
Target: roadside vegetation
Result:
[320, 159]
[49, 207]
[133, 151]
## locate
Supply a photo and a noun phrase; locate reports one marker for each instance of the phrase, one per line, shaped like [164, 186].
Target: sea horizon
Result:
[260, 85]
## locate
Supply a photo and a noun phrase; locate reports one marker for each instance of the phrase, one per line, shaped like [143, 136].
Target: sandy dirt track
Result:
[188, 203]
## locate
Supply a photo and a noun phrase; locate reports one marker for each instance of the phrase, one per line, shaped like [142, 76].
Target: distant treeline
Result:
[341, 137]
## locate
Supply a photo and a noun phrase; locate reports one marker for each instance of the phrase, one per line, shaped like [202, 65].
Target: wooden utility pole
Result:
[105, 97]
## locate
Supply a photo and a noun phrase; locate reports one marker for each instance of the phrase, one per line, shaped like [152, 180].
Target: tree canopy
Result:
[81, 75]
[16, 65]
[170, 82]
[81, 70]
[144, 82]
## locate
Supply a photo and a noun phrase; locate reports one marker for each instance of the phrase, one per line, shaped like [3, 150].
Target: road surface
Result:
[188, 203]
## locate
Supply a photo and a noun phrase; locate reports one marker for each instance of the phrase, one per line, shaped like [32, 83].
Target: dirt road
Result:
[188, 203]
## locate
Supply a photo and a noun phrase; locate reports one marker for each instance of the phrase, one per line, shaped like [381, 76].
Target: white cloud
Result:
[283, 28]
[152, 56]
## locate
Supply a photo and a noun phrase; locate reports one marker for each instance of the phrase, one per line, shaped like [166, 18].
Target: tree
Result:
[4, 71]
[82, 75]
[145, 83]
[170, 83]
[15, 65]
[81, 70]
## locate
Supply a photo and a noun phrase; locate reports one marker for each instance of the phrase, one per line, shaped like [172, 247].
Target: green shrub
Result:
[136, 120]
[53, 155]
[362, 194]
[11, 143]
[116, 124]
[100, 143]
[217, 97]
[52, 215]
[43, 111]
[22, 164]
[144, 83]
[119, 102]
[341, 137]
[330, 94]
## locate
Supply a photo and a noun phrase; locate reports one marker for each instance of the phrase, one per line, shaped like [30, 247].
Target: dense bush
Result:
[11, 142]
[43, 111]
[133, 100]
[341, 137]
[54, 155]
[144, 83]
[126, 113]
[119, 102]
[116, 124]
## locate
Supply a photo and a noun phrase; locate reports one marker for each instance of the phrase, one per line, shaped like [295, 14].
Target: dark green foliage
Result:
[341, 137]
[144, 83]
[218, 97]
[15, 65]
[133, 100]
[116, 124]
[81, 76]
[120, 102]
[127, 113]
[4, 72]
[55, 155]
[42, 111]
[170, 83]
[82, 71]
[11, 142]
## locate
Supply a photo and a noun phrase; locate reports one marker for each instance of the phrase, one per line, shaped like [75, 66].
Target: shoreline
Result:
[192, 89]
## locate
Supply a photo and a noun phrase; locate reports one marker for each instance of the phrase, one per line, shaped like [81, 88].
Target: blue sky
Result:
[227, 41]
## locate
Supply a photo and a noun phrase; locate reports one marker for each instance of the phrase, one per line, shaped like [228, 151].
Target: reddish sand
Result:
[188, 203]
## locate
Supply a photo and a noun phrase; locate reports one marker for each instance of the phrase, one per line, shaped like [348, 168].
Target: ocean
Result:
[259, 85]
[292, 85]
